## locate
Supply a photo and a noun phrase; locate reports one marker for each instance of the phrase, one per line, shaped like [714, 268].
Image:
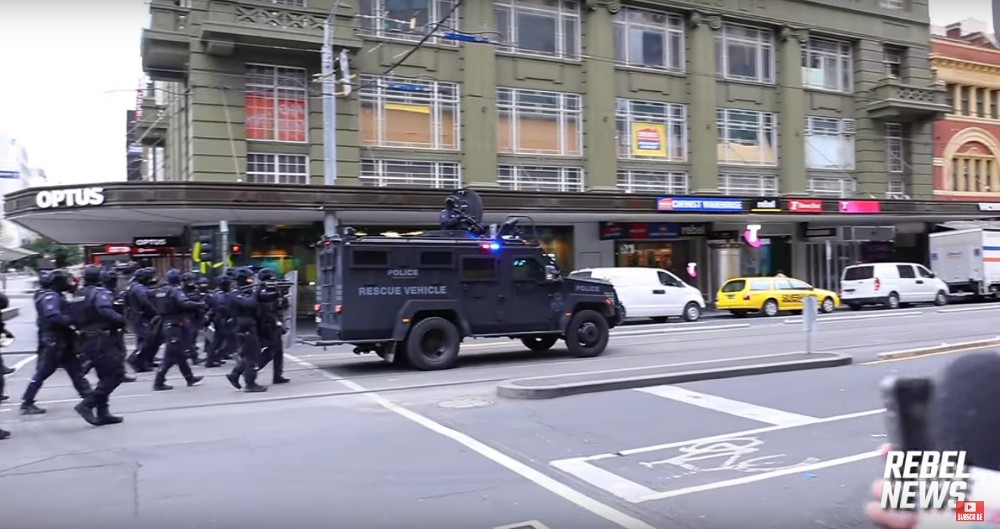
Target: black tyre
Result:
[692, 312]
[539, 343]
[892, 302]
[941, 298]
[433, 344]
[770, 308]
[827, 306]
[587, 334]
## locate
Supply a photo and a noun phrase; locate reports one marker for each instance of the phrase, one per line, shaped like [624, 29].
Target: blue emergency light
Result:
[491, 246]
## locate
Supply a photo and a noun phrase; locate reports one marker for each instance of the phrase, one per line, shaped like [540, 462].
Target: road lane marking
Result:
[760, 477]
[625, 489]
[23, 362]
[835, 319]
[928, 355]
[551, 484]
[970, 309]
[631, 333]
[732, 407]
[531, 524]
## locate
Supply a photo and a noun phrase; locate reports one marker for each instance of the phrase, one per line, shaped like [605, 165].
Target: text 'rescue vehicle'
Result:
[414, 299]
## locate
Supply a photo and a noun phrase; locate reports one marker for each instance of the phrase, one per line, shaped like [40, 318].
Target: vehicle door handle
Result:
[920, 281]
[659, 292]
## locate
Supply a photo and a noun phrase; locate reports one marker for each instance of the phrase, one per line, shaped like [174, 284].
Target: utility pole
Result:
[329, 116]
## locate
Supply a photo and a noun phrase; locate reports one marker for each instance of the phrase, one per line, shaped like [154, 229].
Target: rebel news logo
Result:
[930, 480]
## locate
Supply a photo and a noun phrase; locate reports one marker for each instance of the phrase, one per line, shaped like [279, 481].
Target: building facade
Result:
[16, 173]
[967, 140]
[634, 136]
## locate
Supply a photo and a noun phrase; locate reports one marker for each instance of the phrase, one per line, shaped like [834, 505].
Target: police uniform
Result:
[223, 341]
[271, 329]
[57, 341]
[97, 321]
[109, 279]
[244, 302]
[205, 295]
[192, 318]
[140, 314]
[155, 338]
[173, 305]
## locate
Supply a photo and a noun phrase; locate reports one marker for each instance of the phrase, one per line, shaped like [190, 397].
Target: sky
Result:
[70, 70]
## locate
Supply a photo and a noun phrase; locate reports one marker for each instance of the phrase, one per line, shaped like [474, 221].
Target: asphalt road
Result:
[353, 442]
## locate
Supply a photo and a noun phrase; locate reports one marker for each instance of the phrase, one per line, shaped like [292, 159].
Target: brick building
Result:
[967, 141]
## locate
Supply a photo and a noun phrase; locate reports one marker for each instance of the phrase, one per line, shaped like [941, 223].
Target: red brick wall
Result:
[956, 50]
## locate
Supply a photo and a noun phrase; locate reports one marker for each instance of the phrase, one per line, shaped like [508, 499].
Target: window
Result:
[761, 284]
[536, 122]
[841, 187]
[410, 173]
[475, 268]
[409, 113]
[536, 178]
[893, 59]
[406, 19]
[580, 275]
[745, 54]
[981, 102]
[660, 182]
[895, 5]
[276, 103]
[651, 130]
[782, 284]
[528, 270]
[668, 280]
[299, 3]
[894, 147]
[829, 143]
[649, 39]
[858, 273]
[964, 90]
[539, 27]
[896, 190]
[747, 137]
[266, 168]
[906, 271]
[799, 285]
[828, 65]
[369, 258]
[748, 185]
[437, 259]
[923, 272]
[995, 104]
[971, 173]
[736, 285]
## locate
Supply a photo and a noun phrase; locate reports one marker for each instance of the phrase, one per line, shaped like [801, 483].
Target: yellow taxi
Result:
[771, 295]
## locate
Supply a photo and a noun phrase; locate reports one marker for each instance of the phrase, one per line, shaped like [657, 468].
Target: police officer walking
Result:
[140, 314]
[57, 341]
[244, 302]
[98, 323]
[109, 279]
[223, 341]
[193, 318]
[271, 328]
[173, 306]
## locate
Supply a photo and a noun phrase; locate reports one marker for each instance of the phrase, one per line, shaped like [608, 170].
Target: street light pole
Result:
[329, 116]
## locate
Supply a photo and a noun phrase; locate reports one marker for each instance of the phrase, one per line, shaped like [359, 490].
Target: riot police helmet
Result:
[45, 279]
[61, 281]
[109, 278]
[231, 273]
[189, 278]
[143, 275]
[149, 273]
[226, 282]
[173, 277]
[92, 275]
[244, 276]
[266, 274]
[204, 282]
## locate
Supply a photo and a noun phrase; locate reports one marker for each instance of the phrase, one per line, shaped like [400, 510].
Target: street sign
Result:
[809, 319]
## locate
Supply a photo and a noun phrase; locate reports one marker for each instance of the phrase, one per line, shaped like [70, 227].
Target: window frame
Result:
[380, 177]
[468, 258]
[844, 191]
[673, 118]
[370, 27]
[672, 32]
[514, 258]
[768, 185]
[844, 58]
[566, 175]
[275, 159]
[845, 131]
[569, 108]
[563, 15]
[764, 45]
[767, 122]
[379, 92]
[627, 182]
[274, 90]
[894, 58]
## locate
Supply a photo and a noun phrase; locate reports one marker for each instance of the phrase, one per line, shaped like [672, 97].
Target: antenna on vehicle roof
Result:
[463, 210]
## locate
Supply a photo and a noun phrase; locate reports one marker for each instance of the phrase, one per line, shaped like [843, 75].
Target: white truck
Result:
[967, 260]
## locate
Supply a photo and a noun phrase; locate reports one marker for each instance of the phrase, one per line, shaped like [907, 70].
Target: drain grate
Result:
[462, 403]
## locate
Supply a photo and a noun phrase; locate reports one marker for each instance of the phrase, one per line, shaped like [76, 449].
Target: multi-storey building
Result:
[16, 173]
[967, 140]
[580, 113]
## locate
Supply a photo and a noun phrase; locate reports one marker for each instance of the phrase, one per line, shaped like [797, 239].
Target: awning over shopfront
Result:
[120, 211]
[13, 254]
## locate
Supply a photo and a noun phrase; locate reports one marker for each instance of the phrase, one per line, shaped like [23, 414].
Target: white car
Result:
[891, 285]
[650, 292]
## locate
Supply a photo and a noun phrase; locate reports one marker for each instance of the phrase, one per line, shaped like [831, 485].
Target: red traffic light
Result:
[236, 248]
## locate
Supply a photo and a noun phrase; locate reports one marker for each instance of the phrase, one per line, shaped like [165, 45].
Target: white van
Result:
[891, 285]
[650, 292]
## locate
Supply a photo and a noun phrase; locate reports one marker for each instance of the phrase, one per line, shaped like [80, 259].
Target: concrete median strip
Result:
[551, 387]
[938, 349]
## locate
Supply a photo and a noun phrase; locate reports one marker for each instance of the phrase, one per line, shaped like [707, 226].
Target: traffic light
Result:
[204, 249]
[236, 249]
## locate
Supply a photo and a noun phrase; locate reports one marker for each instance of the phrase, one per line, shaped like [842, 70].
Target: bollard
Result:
[810, 310]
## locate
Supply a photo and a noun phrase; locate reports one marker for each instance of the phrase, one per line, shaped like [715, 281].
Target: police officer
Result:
[140, 314]
[173, 306]
[223, 340]
[193, 318]
[99, 324]
[155, 338]
[109, 280]
[244, 302]
[57, 341]
[205, 291]
[4, 370]
[271, 328]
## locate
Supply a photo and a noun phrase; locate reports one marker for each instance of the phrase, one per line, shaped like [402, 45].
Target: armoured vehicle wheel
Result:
[433, 344]
[539, 343]
[587, 334]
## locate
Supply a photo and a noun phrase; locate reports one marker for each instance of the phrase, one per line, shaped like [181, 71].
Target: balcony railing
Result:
[894, 100]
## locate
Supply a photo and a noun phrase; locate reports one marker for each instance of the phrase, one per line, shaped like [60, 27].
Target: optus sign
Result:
[70, 198]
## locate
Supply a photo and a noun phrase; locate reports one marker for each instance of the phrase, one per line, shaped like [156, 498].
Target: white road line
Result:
[760, 477]
[534, 524]
[970, 309]
[23, 362]
[558, 488]
[583, 470]
[732, 407]
[836, 319]
[630, 333]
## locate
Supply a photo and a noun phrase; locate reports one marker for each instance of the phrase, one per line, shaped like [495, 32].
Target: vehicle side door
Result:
[928, 283]
[788, 297]
[530, 307]
[635, 292]
[760, 290]
[674, 292]
[910, 289]
[805, 289]
[484, 302]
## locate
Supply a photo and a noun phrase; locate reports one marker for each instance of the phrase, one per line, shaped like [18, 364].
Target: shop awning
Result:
[13, 254]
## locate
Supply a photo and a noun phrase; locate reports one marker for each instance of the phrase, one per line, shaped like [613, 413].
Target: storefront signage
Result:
[800, 205]
[723, 236]
[860, 206]
[649, 139]
[157, 242]
[750, 235]
[989, 206]
[650, 230]
[83, 196]
[820, 233]
[768, 205]
[699, 205]
[114, 249]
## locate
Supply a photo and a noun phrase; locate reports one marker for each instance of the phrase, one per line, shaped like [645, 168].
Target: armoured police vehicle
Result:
[413, 300]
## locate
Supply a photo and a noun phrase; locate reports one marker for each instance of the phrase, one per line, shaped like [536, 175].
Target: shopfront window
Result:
[673, 256]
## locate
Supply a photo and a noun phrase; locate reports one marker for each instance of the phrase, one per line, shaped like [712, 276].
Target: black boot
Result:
[4, 397]
[128, 378]
[278, 379]
[162, 386]
[4, 434]
[234, 379]
[29, 408]
[193, 381]
[104, 416]
[254, 388]
[87, 413]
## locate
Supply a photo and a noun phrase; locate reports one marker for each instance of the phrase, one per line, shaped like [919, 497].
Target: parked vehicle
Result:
[650, 292]
[771, 295]
[968, 261]
[891, 285]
